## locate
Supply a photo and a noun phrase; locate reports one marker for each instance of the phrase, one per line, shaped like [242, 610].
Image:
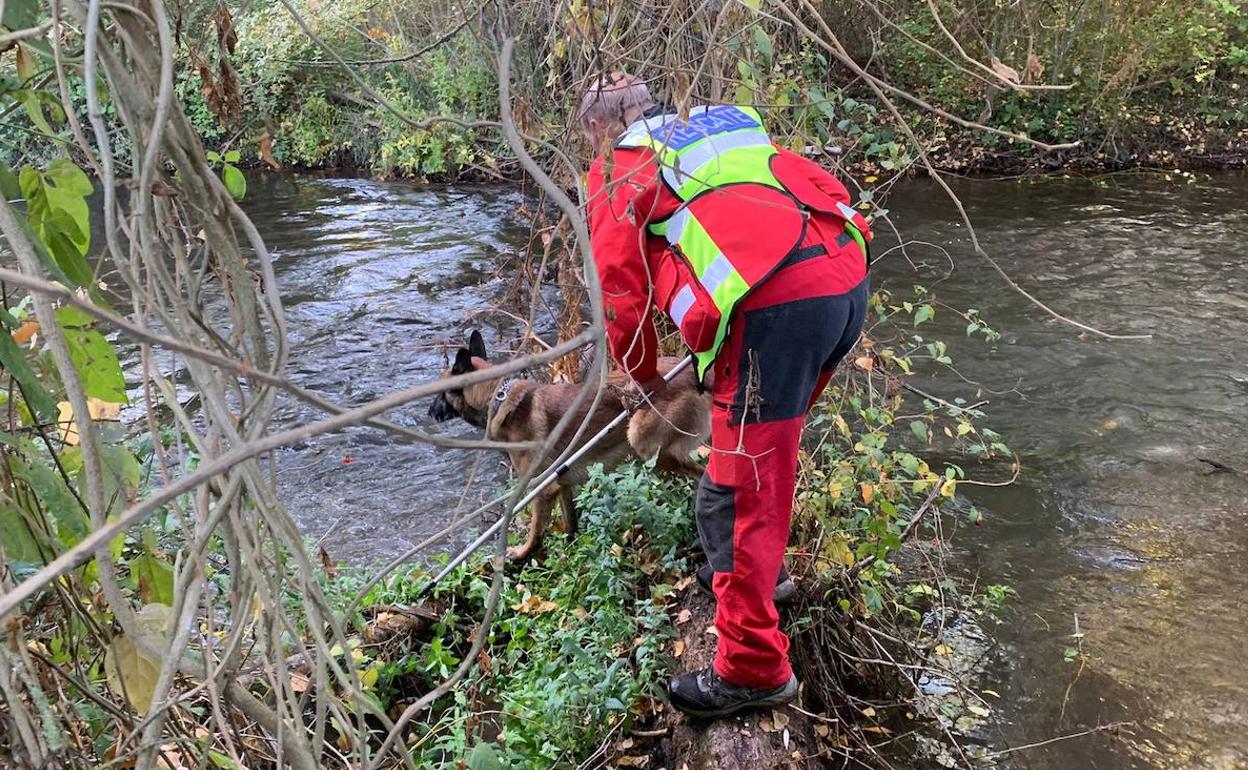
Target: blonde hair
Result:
[611, 97]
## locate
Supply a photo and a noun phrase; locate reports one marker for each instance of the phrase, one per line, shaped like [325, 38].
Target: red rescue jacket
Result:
[626, 193]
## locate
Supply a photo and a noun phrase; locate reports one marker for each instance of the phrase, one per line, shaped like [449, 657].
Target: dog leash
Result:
[550, 478]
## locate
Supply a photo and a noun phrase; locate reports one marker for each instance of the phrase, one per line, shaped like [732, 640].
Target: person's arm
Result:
[618, 211]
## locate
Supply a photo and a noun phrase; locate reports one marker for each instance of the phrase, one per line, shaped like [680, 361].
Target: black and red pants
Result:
[786, 338]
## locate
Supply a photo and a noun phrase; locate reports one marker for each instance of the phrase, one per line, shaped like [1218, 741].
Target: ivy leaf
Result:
[235, 182]
[97, 365]
[924, 313]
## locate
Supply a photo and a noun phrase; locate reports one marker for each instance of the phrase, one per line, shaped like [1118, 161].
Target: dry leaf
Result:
[65, 423]
[25, 332]
[877, 729]
[641, 760]
[779, 719]
[766, 725]
[1005, 72]
[868, 492]
[534, 605]
[822, 730]
[299, 683]
[684, 582]
[868, 712]
[943, 649]
[683, 616]
[712, 630]
[266, 150]
[678, 647]
[865, 363]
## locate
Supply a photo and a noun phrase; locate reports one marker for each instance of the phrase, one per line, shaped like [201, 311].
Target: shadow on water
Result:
[1114, 520]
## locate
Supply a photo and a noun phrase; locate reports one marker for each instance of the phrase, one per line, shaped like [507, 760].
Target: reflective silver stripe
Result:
[681, 304]
[690, 164]
[846, 211]
[716, 273]
[676, 224]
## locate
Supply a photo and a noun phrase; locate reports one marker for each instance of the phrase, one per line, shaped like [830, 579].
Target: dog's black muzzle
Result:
[441, 409]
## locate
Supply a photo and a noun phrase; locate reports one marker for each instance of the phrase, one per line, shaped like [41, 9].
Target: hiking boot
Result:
[708, 695]
[786, 589]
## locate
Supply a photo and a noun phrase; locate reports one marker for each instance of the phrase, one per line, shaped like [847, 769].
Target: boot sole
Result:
[787, 695]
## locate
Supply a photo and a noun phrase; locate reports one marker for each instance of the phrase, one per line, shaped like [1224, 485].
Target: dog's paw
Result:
[519, 552]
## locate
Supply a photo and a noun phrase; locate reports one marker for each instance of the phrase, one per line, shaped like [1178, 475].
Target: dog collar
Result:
[504, 390]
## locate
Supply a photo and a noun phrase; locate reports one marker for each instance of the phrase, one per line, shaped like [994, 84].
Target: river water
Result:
[1112, 528]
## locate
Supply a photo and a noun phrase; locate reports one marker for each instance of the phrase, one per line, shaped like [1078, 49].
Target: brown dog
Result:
[671, 427]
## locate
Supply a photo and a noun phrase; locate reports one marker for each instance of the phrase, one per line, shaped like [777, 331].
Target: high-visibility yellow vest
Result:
[719, 147]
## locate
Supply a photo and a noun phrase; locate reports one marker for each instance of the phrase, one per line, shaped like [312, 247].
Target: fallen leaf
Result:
[871, 180]
[766, 725]
[779, 719]
[1005, 71]
[684, 582]
[266, 150]
[868, 712]
[683, 616]
[712, 630]
[25, 332]
[640, 760]
[868, 492]
[877, 729]
[678, 647]
[943, 649]
[865, 363]
[822, 730]
[299, 683]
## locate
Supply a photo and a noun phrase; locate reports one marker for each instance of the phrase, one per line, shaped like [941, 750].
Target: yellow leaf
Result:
[65, 423]
[871, 180]
[964, 428]
[949, 488]
[943, 649]
[368, 677]
[102, 410]
[678, 648]
[868, 492]
[868, 712]
[129, 672]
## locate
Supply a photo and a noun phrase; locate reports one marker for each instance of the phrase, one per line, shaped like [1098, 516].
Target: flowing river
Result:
[1113, 529]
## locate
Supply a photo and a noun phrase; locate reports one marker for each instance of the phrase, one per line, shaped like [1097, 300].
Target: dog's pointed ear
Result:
[476, 346]
[463, 362]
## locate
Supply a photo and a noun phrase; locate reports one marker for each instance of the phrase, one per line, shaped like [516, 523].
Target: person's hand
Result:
[634, 394]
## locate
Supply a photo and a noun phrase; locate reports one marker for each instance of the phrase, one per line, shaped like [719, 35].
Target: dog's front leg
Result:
[567, 504]
[537, 525]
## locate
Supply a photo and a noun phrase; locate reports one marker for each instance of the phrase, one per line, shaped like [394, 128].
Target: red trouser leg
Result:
[778, 357]
[753, 469]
